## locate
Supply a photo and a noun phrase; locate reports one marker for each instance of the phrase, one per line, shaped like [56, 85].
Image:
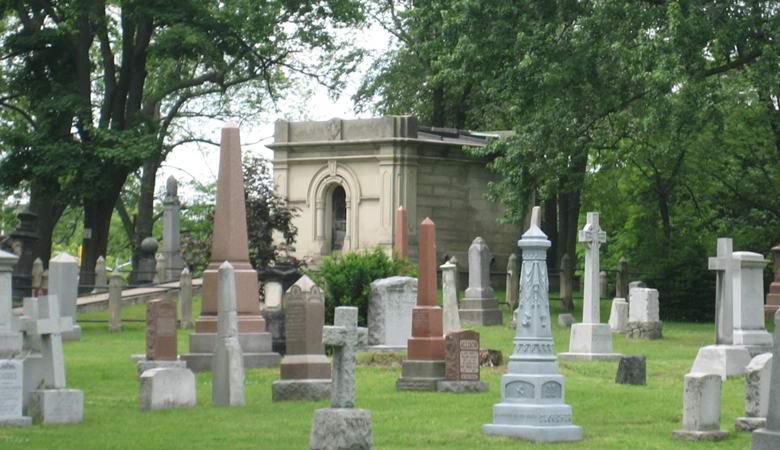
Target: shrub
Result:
[347, 279]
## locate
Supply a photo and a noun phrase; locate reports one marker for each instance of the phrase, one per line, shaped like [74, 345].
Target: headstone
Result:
[591, 339]
[272, 292]
[64, 284]
[618, 315]
[390, 313]
[401, 233]
[532, 391]
[512, 281]
[424, 363]
[701, 408]
[461, 362]
[161, 330]
[305, 370]
[644, 316]
[773, 295]
[479, 305]
[12, 394]
[632, 370]
[566, 320]
[342, 426]
[621, 279]
[37, 277]
[10, 337]
[44, 283]
[147, 263]
[185, 298]
[115, 301]
[51, 402]
[167, 388]
[228, 364]
[21, 242]
[101, 279]
[566, 281]
[171, 231]
[758, 380]
[449, 288]
[230, 242]
[769, 437]
[160, 275]
[749, 325]
[636, 284]
[603, 284]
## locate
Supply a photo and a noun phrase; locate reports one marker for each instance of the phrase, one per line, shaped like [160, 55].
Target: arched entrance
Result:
[338, 214]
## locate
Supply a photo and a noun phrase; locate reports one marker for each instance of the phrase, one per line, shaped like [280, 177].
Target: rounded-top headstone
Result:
[171, 186]
[64, 257]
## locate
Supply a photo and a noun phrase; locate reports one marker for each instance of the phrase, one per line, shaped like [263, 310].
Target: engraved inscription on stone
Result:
[461, 355]
[469, 359]
[520, 389]
[10, 389]
[295, 325]
[166, 326]
[551, 389]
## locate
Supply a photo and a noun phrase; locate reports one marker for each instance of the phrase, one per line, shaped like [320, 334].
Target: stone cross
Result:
[115, 301]
[185, 298]
[343, 336]
[50, 328]
[591, 236]
[724, 266]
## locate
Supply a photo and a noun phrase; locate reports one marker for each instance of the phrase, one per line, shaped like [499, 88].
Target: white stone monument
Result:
[450, 313]
[618, 315]
[768, 438]
[101, 277]
[390, 313]
[532, 391]
[701, 408]
[115, 301]
[479, 305]
[342, 426]
[758, 380]
[228, 363]
[272, 293]
[749, 328]
[185, 298]
[64, 284]
[10, 337]
[644, 320]
[591, 339]
[167, 388]
[171, 227]
[12, 394]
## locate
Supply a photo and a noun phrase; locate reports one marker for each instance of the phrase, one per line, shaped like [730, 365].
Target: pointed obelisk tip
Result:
[230, 124]
[401, 208]
[185, 271]
[536, 217]
[427, 221]
[225, 265]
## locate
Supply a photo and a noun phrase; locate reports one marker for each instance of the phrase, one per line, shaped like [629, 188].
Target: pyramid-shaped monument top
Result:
[534, 236]
[230, 241]
[64, 257]
[7, 259]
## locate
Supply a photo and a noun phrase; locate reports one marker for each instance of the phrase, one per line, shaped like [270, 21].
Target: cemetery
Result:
[535, 224]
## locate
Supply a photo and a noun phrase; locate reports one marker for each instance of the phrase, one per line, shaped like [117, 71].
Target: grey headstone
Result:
[390, 311]
[12, 393]
[632, 370]
[115, 301]
[64, 284]
[701, 408]
[450, 313]
[171, 231]
[768, 438]
[185, 298]
[165, 388]
[228, 364]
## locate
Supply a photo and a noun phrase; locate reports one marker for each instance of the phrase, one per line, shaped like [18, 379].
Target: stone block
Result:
[166, 388]
[460, 387]
[701, 408]
[307, 390]
[418, 375]
[144, 364]
[390, 311]
[590, 341]
[57, 406]
[758, 378]
[632, 370]
[618, 315]
[722, 360]
[645, 330]
[341, 429]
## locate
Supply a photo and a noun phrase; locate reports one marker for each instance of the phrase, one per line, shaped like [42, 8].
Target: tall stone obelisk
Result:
[532, 391]
[230, 243]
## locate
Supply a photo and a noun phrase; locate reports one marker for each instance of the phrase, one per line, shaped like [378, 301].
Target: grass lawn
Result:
[612, 416]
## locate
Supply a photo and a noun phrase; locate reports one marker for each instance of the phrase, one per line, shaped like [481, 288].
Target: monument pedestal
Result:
[308, 390]
[483, 312]
[764, 439]
[57, 406]
[618, 315]
[341, 428]
[645, 330]
[74, 334]
[256, 348]
[756, 341]
[419, 375]
[461, 386]
[750, 423]
[689, 435]
[590, 341]
[723, 360]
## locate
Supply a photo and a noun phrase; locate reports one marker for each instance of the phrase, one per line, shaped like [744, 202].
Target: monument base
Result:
[57, 406]
[618, 315]
[533, 422]
[769, 311]
[167, 388]
[10, 344]
[341, 428]
[723, 360]
[645, 330]
[590, 342]
[750, 423]
[74, 334]
[385, 349]
[756, 341]
[460, 386]
[22, 421]
[482, 312]
[688, 435]
[764, 439]
[420, 375]
[306, 390]
[143, 364]
[256, 348]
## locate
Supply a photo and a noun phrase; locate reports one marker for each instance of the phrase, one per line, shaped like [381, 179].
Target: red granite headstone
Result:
[462, 356]
[401, 238]
[161, 330]
[773, 296]
[427, 341]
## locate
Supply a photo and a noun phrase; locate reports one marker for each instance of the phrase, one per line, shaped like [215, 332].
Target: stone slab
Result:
[201, 362]
[686, 435]
[533, 422]
[764, 439]
[632, 370]
[590, 341]
[618, 315]
[750, 423]
[460, 387]
[305, 390]
[723, 360]
[144, 364]
[645, 330]
[57, 406]
[482, 317]
[250, 342]
[167, 388]
[341, 429]
[23, 421]
[11, 391]
[420, 375]
[390, 311]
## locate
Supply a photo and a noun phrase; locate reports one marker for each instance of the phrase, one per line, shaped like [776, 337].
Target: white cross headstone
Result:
[724, 266]
[49, 325]
[343, 337]
[591, 237]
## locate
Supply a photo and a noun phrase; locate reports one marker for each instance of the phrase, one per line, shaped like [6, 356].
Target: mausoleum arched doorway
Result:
[338, 218]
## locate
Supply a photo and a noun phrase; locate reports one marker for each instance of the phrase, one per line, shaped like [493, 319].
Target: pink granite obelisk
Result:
[401, 234]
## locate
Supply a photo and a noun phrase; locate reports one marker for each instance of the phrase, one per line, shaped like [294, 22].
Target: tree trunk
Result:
[49, 211]
[569, 204]
[438, 107]
[144, 222]
[97, 224]
[550, 227]
[666, 223]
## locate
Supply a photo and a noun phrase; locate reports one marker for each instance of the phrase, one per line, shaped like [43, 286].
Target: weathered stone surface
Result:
[773, 295]
[590, 342]
[757, 383]
[341, 429]
[460, 387]
[618, 315]
[749, 326]
[769, 437]
[449, 281]
[63, 284]
[161, 330]
[228, 363]
[479, 305]
[701, 408]
[185, 299]
[566, 320]
[273, 292]
[343, 337]
[390, 311]
[532, 391]
[57, 406]
[10, 337]
[401, 233]
[725, 267]
[461, 356]
[644, 305]
[142, 364]
[621, 279]
[12, 393]
[722, 360]
[512, 281]
[306, 390]
[171, 231]
[115, 302]
[101, 277]
[645, 330]
[165, 388]
[632, 370]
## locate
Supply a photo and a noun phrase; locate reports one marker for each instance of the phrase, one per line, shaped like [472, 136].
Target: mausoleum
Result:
[348, 177]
